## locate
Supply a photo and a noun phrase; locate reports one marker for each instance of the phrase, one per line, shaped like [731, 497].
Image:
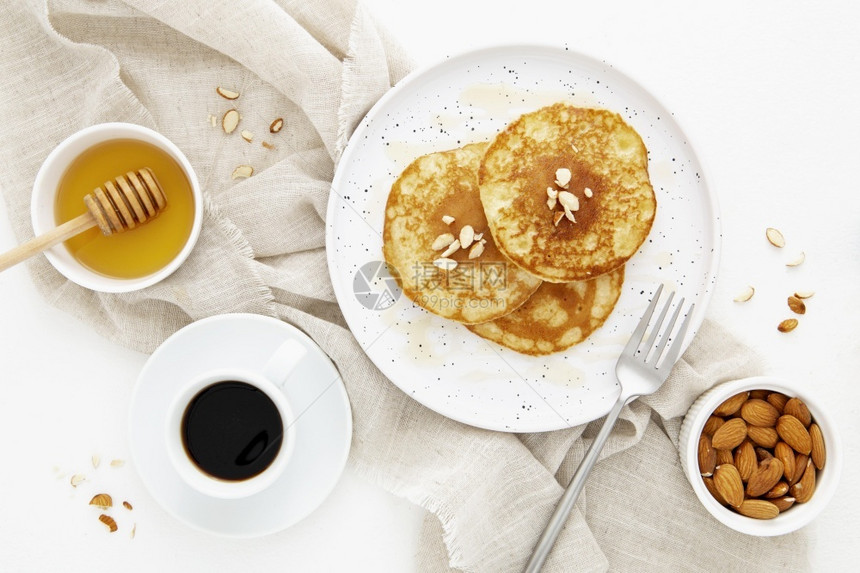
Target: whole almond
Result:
[758, 509]
[758, 412]
[709, 485]
[766, 475]
[784, 453]
[800, 463]
[707, 456]
[787, 325]
[796, 305]
[764, 437]
[731, 405]
[712, 425]
[779, 490]
[760, 394]
[783, 503]
[793, 433]
[762, 454]
[818, 453]
[802, 491]
[725, 457]
[745, 460]
[777, 400]
[795, 407]
[728, 482]
[730, 435]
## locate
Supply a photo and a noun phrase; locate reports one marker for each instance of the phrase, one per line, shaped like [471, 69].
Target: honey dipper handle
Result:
[46, 240]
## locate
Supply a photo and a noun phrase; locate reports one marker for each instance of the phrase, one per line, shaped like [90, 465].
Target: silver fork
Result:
[639, 371]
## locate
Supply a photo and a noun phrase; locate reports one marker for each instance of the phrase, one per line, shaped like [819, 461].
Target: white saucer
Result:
[323, 424]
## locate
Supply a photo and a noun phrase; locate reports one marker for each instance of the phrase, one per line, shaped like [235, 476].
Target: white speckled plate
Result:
[469, 98]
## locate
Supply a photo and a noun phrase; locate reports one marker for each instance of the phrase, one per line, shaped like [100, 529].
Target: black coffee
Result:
[232, 430]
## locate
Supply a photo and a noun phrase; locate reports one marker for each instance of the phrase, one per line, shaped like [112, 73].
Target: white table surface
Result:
[767, 92]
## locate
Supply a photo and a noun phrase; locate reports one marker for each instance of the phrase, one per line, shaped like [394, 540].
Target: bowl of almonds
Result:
[760, 455]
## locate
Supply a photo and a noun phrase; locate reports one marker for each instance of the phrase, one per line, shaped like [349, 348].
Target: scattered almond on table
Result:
[745, 294]
[796, 305]
[759, 453]
[242, 172]
[230, 122]
[227, 94]
[796, 301]
[101, 500]
[797, 261]
[109, 522]
[775, 237]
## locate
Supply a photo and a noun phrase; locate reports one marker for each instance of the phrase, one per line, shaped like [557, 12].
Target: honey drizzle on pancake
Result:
[432, 186]
[610, 158]
[540, 174]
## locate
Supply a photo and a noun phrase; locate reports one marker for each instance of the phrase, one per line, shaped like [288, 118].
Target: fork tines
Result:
[634, 345]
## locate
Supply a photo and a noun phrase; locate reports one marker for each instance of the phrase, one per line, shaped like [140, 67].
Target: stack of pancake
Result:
[524, 239]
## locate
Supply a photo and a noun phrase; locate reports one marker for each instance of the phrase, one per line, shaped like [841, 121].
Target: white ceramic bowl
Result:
[45, 190]
[799, 514]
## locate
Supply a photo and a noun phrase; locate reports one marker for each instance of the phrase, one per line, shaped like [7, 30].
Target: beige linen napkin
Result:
[320, 64]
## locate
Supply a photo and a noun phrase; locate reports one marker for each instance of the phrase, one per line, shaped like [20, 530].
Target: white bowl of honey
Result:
[138, 257]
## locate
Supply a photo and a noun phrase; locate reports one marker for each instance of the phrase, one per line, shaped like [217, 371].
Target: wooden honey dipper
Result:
[124, 203]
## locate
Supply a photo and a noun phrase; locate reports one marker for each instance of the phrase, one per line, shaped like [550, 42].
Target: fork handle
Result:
[577, 482]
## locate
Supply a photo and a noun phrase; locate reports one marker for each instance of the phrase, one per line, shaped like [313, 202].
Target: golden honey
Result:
[146, 248]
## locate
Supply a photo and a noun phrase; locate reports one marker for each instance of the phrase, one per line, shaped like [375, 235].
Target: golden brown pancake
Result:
[603, 154]
[557, 316]
[442, 185]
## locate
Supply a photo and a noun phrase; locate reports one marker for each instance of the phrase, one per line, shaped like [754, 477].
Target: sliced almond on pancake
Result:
[445, 263]
[442, 241]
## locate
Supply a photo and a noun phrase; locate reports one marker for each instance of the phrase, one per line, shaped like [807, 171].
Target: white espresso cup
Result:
[270, 381]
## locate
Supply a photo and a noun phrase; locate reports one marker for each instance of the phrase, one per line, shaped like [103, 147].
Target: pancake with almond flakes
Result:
[437, 241]
[557, 316]
[566, 192]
